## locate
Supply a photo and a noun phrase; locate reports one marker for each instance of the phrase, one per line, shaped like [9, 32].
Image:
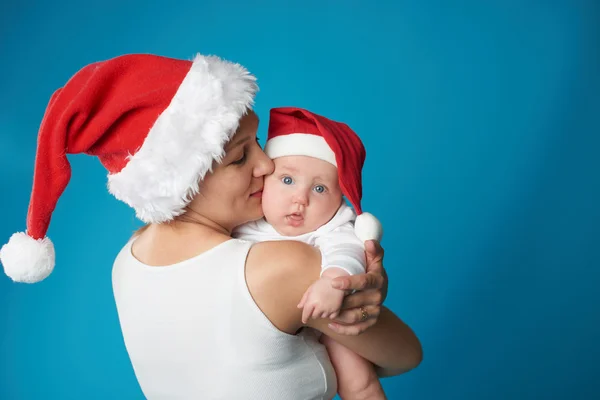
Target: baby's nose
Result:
[301, 198]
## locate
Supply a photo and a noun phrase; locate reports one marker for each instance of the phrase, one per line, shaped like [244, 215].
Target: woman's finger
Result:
[366, 298]
[358, 282]
[355, 316]
[374, 253]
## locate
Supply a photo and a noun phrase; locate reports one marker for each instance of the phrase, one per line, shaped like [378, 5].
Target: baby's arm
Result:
[342, 254]
[321, 300]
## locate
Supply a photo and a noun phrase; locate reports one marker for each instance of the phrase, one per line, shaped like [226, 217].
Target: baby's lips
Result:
[296, 217]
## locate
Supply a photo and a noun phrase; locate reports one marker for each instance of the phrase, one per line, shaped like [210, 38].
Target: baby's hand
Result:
[321, 300]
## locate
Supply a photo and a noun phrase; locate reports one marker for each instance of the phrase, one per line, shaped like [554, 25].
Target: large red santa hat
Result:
[157, 124]
[298, 132]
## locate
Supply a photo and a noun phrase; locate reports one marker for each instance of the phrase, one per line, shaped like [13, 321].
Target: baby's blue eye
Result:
[319, 188]
[287, 180]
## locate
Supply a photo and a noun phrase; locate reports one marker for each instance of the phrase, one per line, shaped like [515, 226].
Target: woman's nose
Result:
[265, 166]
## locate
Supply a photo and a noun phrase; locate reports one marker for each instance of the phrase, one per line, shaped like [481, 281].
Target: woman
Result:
[203, 315]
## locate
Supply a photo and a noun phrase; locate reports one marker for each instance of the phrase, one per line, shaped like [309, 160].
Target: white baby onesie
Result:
[336, 240]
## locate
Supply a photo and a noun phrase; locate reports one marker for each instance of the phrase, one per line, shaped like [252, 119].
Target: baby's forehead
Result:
[294, 161]
[307, 166]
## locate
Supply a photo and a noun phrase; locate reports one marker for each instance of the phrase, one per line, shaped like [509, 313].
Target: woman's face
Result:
[232, 193]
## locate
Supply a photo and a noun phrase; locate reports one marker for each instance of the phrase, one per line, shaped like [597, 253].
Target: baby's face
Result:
[301, 195]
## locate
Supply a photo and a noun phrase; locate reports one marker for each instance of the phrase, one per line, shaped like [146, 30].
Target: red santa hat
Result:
[298, 132]
[157, 124]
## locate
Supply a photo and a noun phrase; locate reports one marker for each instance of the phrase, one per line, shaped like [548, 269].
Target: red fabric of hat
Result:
[156, 123]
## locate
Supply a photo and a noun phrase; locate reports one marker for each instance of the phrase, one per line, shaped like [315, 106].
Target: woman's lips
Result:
[257, 194]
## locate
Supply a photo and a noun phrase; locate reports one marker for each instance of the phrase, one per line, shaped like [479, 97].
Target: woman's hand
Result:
[362, 308]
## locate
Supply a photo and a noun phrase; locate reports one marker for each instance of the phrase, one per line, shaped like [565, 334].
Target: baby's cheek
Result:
[269, 201]
[269, 193]
[324, 210]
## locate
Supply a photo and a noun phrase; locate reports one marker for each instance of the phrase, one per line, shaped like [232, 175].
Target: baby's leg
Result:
[356, 376]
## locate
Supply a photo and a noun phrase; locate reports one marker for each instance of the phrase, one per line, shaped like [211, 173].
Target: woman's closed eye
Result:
[241, 160]
[244, 156]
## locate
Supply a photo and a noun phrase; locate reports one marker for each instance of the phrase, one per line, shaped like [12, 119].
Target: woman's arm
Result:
[389, 344]
[278, 274]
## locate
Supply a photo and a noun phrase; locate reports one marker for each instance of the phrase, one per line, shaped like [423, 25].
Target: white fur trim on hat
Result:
[162, 177]
[367, 227]
[26, 259]
[300, 144]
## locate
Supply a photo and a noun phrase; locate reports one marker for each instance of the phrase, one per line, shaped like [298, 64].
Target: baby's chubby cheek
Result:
[269, 202]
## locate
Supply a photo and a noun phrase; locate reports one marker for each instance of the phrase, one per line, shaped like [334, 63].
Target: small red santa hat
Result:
[157, 124]
[298, 132]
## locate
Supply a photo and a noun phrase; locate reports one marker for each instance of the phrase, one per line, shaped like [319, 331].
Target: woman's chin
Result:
[256, 214]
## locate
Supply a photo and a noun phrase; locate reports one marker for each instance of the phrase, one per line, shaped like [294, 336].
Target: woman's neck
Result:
[196, 221]
[170, 243]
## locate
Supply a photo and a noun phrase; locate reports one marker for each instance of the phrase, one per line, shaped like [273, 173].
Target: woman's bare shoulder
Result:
[277, 274]
[288, 255]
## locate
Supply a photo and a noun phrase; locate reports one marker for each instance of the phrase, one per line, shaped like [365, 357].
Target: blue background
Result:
[482, 125]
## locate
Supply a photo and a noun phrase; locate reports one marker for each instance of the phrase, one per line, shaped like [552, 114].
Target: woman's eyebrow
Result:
[238, 142]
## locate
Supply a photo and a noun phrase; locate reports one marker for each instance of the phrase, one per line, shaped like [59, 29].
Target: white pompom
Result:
[367, 227]
[26, 259]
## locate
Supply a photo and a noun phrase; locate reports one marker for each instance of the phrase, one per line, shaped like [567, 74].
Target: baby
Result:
[317, 163]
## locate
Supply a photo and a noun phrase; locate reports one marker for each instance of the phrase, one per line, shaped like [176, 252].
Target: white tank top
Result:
[193, 331]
